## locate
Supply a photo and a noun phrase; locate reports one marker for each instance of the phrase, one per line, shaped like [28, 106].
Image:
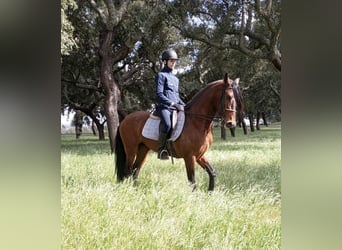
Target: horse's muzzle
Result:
[231, 124]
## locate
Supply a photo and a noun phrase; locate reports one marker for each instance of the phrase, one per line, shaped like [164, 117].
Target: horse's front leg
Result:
[190, 170]
[202, 161]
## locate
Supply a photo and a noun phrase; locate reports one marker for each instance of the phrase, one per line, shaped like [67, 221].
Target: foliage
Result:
[68, 41]
[250, 27]
[160, 211]
[210, 37]
[80, 72]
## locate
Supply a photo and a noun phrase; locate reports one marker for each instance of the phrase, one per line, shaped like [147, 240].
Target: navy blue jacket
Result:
[167, 88]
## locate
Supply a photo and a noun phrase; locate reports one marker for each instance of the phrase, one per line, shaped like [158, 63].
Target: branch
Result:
[121, 53]
[274, 90]
[115, 15]
[82, 85]
[265, 14]
[129, 74]
[98, 10]
[239, 47]
[201, 76]
[268, 6]
[87, 86]
[208, 14]
[242, 29]
[251, 35]
[68, 81]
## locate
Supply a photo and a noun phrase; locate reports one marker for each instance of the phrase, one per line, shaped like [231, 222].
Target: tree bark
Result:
[112, 92]
[264, 118]
[223, 131]
[99, 126]
[89, 112]
[251, 124]
[93, 127]
[257, 120]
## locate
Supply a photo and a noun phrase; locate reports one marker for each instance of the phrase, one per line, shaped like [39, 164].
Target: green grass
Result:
[160, 211]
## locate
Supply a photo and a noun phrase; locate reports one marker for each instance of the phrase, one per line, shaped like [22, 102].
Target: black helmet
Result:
[169, 54]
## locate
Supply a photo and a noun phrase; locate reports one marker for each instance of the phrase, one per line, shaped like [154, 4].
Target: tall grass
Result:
[160, 211]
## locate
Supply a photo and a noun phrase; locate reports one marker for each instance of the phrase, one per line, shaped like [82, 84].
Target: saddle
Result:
[151, 127]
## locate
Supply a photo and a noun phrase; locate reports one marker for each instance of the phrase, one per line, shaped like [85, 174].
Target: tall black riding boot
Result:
[162, 152]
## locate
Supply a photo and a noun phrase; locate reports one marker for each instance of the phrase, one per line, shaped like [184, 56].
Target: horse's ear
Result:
[237, 80]
[226, 78]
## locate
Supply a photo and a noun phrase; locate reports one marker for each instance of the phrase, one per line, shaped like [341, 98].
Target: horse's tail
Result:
[120, 158]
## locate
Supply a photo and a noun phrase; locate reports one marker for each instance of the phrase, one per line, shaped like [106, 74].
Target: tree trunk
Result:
[112, 92]
[93, 127]
[251, 124]
[232, 132]
[241, 122]
[223, 131]
[264, 119]
[244, 126]
[257, 120]
[78, 121]
[99, 126]
[78, 130]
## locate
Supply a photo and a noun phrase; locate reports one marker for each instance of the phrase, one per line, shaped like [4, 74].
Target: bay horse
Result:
[216, 98]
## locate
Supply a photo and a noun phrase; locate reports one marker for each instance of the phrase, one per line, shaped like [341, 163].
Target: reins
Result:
[201, 116]
[208, 117]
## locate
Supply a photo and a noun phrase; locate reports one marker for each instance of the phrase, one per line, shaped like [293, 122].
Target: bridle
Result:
[223, 108]
[223, 102]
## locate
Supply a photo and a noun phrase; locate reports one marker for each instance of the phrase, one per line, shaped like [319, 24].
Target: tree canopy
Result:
[211, 37]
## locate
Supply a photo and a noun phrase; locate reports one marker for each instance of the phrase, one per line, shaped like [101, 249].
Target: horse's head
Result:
[228, 102]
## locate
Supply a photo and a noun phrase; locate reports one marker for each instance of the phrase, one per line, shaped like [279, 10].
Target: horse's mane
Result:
[199, 95]
[238, 96]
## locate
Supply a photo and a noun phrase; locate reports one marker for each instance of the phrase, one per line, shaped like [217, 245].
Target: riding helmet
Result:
[169, 54]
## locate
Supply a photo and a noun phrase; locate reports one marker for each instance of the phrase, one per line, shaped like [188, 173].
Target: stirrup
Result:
[163, 155]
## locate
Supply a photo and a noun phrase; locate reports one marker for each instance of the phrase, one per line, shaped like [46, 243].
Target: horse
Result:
[131, 148]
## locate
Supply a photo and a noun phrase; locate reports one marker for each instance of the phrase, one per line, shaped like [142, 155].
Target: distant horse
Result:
[216, 98]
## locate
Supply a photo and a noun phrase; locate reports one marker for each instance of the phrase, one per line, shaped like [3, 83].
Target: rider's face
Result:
[171, 63]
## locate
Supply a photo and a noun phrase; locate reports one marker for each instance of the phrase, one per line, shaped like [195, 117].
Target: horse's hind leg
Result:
[211, 172]
[190, 171]
[140, 159]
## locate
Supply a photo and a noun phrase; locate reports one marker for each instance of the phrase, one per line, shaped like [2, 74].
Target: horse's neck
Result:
[206, 103]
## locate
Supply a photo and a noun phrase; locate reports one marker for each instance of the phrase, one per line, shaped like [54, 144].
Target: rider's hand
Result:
[179, 107]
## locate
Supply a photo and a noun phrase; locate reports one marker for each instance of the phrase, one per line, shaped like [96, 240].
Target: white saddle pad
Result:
[151, 127]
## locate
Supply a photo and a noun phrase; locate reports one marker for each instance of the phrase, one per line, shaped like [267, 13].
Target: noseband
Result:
[223, 102]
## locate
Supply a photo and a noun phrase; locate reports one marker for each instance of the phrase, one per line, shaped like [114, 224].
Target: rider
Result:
[168, 98]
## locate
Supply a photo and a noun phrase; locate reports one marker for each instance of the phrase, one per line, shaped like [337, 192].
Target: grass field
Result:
[160, 211]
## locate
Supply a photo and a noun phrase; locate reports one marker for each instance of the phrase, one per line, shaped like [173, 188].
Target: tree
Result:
[124, 27]
[81, 89]
[112, 68]
[250, 27]
[110, 14]
[129, 50]
[68, 42]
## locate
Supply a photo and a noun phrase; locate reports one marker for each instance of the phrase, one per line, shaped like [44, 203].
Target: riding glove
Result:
[178, 106]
